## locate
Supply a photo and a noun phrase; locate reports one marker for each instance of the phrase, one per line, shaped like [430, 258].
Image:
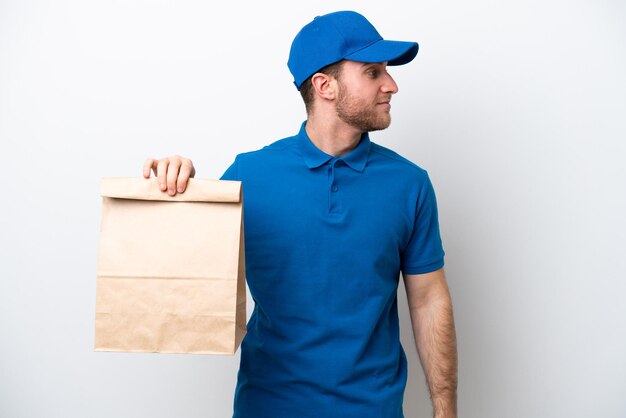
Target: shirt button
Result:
[334, 188]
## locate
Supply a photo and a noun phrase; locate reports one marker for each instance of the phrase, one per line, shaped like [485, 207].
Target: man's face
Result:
[365, 90]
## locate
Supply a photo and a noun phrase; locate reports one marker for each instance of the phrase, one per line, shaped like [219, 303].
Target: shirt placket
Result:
[334, 198]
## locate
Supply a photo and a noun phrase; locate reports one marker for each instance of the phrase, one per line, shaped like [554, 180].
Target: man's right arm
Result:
[172, 173]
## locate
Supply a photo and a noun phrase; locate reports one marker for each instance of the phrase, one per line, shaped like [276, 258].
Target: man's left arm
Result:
[430, 306]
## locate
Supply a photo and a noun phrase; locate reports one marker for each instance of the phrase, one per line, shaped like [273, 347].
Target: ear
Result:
[325, 86]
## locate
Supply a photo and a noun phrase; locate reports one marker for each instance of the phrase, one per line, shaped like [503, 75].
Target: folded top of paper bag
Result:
[198, 190]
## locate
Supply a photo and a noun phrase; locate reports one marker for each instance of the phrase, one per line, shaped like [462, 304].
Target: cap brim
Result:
[392, 52]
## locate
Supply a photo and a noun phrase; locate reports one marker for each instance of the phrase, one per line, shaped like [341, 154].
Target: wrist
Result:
[444, 408]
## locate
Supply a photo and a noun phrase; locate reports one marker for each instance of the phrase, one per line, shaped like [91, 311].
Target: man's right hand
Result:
[172, 173]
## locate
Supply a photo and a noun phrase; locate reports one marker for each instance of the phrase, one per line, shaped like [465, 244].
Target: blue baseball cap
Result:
[343, 35]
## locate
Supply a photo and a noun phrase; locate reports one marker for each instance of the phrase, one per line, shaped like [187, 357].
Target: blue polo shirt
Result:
[326, 239]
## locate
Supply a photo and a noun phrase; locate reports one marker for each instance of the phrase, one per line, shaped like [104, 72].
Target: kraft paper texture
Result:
[171, 270]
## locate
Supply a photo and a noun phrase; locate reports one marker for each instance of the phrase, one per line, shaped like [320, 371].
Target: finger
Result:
[186, 171]
[149, 165]
[161, 173]
[172, 176]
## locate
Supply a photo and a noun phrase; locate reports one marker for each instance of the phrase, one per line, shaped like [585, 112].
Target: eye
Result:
[372, 72]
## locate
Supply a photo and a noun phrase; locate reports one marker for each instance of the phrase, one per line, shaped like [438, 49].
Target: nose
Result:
[389, 86]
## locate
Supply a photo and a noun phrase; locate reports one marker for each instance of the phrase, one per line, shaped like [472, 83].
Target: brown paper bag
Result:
[171, 269]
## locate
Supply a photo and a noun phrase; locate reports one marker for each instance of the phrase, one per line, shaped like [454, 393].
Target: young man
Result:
[331, 219]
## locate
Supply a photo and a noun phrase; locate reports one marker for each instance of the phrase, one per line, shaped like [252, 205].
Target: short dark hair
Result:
[306, 89]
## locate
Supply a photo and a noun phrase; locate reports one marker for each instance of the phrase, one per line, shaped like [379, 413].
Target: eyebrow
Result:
[365, 64]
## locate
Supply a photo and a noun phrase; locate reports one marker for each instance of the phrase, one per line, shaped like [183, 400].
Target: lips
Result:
[385, 101]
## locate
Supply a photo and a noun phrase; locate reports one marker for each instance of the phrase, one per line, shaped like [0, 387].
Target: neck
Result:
[332, 136]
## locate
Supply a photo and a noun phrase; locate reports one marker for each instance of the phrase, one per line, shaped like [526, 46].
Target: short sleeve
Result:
[232, 173]
[424, 252]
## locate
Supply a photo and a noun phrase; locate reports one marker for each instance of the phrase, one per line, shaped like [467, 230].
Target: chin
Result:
[377, 127]
[383, 124]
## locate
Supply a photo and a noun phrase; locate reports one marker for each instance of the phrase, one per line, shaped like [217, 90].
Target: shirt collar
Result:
[314, 157]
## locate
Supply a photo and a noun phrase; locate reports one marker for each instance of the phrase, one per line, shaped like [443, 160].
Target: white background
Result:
[516, 109]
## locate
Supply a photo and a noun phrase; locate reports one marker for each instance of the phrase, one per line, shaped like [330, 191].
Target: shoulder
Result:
[253, 163]
[393, 160]
[269, 151]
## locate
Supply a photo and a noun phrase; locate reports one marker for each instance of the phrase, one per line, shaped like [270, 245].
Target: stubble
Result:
[362, 115]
